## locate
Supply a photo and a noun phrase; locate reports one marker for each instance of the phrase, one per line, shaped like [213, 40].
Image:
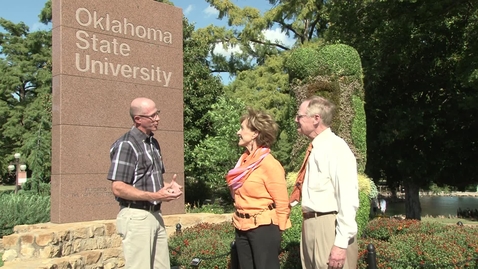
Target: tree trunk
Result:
[413, 210]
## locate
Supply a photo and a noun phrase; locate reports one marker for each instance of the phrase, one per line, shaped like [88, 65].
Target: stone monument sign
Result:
[105, 54]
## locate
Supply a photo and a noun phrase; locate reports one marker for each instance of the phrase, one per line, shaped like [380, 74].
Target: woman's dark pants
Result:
[259, 248]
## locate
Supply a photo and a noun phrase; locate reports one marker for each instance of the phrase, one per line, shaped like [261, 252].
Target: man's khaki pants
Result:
[318, 236]
[145, 242]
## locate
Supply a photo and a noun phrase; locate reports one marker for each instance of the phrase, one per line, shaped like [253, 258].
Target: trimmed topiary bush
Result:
[339, 78]
[339, 60]
[303, 62]
[359, 131]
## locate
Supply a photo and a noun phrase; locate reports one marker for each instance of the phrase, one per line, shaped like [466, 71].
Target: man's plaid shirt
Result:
[136, 160]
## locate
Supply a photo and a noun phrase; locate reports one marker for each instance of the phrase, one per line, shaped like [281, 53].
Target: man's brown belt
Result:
[308, 215]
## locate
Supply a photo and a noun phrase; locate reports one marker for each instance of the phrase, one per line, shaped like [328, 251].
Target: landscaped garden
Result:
[430, 243]
[398, 243]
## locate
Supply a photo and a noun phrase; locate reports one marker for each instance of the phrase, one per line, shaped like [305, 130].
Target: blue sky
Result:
[197, 11]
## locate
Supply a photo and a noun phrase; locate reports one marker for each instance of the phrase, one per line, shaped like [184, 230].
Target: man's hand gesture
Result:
[170, 191]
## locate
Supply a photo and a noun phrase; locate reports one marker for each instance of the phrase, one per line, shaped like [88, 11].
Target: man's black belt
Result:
[248, 216]
[142, 205]
[309, 215]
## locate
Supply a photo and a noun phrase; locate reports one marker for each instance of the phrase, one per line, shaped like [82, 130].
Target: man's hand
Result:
[170, 191]
[337, 257]
[174, 186]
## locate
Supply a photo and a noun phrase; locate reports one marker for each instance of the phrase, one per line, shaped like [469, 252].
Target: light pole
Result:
[20, 174]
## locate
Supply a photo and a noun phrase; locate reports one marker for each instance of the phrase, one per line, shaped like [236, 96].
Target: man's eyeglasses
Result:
[152, 117]
[300, 116]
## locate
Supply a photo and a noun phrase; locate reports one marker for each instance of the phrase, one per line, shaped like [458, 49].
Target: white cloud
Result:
[211, 11]
[226, 51]
[188, 10]
[273, 35]
[276, 36]
[38, 26]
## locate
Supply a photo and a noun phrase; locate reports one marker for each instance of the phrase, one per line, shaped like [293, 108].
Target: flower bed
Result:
[398, 243]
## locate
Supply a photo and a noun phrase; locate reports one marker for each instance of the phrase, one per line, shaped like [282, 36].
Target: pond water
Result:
[436, 205]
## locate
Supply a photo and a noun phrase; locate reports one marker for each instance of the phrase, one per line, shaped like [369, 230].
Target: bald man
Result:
[136, 173]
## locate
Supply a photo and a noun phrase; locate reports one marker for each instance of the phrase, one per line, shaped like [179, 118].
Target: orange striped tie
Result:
[296, 193]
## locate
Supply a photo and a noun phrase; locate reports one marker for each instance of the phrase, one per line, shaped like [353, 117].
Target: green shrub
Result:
[22, 208]
[290, 244]
[363, 213]
[291, 236]
[290, 179]
[364, 184]
[290, 258]
[373, 190]
[36, 187]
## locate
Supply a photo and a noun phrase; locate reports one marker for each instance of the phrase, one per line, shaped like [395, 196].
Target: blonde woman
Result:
[259, 189]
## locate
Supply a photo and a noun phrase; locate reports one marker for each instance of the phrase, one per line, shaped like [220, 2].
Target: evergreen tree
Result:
[25, 98]
[267, 87]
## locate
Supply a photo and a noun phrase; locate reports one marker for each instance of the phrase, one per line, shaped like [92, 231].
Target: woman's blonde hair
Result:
[262, 123]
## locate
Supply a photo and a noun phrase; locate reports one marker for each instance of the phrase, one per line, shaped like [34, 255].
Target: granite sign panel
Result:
[105, 54]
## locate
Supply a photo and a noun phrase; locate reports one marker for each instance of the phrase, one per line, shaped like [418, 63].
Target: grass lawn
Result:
[1, 262]
[450, 221]
[7, 187]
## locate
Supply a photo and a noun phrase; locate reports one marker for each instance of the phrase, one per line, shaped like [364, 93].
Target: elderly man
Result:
[328, 186]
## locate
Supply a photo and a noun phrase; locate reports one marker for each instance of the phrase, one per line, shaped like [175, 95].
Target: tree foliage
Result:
[201, 92]
[25, 98]
[266, 87]
[218, 152]
[302, 20]
[418, 72]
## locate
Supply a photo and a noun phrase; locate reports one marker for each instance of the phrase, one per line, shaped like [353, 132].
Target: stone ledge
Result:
[186, 220]
[85, 245]
[70, 262]
[104, 258]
